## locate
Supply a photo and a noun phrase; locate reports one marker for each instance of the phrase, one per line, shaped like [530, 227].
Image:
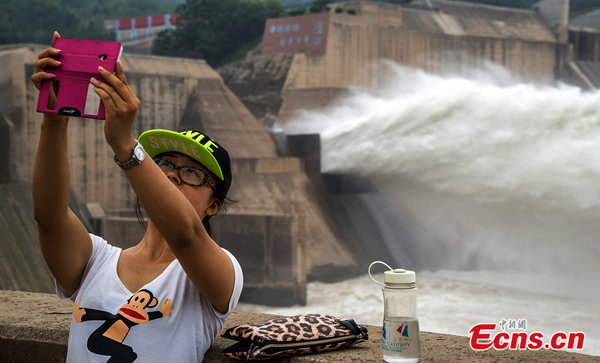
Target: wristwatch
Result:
[139, 154]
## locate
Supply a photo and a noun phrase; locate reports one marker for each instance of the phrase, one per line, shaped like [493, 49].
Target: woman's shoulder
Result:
[101, 242]
[102, 249]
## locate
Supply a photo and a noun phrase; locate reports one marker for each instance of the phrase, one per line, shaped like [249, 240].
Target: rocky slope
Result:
[257, 81]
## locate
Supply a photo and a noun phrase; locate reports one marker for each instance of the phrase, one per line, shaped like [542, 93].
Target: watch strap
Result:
[131, 162]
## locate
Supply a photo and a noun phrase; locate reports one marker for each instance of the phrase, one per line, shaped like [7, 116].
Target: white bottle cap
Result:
[395, 278]
[399, 276]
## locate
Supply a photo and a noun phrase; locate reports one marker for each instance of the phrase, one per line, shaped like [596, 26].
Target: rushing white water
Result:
[488, 188]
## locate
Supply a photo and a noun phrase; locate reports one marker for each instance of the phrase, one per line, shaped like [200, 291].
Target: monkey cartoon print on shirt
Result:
[108, 338]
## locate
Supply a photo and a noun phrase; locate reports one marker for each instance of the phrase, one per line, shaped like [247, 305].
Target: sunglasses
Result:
[190, 175]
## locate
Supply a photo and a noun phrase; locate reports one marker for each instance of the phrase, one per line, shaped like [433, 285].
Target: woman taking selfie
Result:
[166, 298]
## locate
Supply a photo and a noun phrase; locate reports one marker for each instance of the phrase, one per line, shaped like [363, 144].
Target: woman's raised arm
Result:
[204, 262]
[65, 243]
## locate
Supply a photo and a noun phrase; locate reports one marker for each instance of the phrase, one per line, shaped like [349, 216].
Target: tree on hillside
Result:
[213, 29]
[320, 6]
[33, 21]
[275, 9]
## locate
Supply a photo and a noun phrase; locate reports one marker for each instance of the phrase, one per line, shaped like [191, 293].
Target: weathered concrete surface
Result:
[34, 328]
[556, 15]
[482, 20]
[22, 265]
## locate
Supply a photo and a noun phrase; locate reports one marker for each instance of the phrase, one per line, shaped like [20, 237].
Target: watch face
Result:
[139, 152]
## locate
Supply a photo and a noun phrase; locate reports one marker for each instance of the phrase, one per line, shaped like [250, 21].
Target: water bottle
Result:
[401, 335]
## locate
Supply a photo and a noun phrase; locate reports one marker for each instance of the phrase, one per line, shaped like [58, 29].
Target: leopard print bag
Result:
[293, 335]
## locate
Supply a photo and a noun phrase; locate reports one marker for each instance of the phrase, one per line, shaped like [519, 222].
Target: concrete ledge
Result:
[34, 328]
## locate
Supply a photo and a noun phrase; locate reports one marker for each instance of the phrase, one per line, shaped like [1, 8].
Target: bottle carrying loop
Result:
[395, 278]
[371, 276]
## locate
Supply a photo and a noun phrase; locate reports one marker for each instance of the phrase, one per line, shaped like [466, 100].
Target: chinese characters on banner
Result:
[295, 34]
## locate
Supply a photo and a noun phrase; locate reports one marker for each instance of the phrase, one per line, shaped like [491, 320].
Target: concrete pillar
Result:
[556, 15]
[133, 35]
[6, 150]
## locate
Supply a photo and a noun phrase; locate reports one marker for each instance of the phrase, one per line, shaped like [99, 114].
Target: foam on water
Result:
[488, 141]
[488, 188]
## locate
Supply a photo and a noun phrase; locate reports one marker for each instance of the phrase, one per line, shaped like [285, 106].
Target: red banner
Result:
[295, 34]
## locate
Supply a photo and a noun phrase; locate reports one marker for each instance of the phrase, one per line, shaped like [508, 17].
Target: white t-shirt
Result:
[146, 335]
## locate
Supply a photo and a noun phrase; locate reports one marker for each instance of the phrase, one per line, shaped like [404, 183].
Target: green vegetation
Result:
[318, 6]
[219, 31]
[239, 54]
[214, 29]
[33, 21]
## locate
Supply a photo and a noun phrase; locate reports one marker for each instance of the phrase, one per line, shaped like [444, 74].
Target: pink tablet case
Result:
[80, 60]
